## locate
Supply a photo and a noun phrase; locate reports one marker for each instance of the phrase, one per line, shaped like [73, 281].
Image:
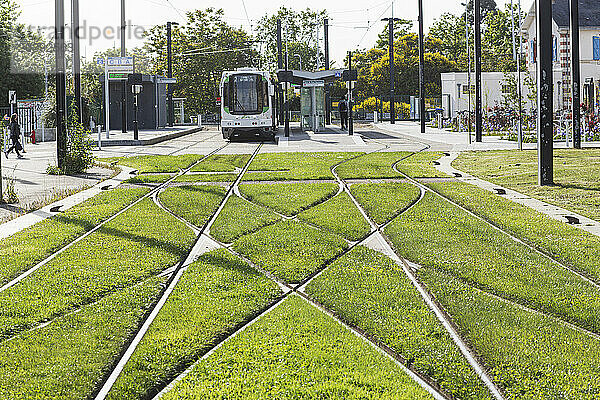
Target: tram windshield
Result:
[246, 94]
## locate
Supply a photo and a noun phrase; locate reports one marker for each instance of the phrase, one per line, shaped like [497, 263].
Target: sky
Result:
[353, 23]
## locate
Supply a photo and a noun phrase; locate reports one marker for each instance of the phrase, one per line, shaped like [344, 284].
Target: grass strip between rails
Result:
[194, 203]
[530, 355]
[369, 290]
[576, 176]
[421, 165]
[340, 216]
[439, 235]
[384, 201]
[291, 250]
[289, 198]
[372, 166]
[222, 163]
[68, 358]
[214, 295]
[294, 166]
[25, 249]
[206, 178]
[295, 352]
[240, 217]
[137, 244]
[156, 164]
[573, 246]
[149, 178]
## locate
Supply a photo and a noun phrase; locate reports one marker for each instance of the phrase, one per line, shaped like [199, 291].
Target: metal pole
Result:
[106, 99]
[280, 66]
[575, 74]
[135, 119]
[318, 26]
[545, 126]
[392, 72]
[327, 89]
[76, 59]
[520, 91]
[287, 106]
[512, 25]
[170, 114]
[421, 68]
[468, 33]
[350, 102]
[478, 113]
[124, 84]
[59, 50]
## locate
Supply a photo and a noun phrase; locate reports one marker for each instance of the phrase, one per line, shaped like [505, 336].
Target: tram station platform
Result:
[145, 137]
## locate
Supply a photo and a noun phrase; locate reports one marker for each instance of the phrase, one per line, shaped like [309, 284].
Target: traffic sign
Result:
[12, 97]
[313, 83]
[338, 74]
[169, 81]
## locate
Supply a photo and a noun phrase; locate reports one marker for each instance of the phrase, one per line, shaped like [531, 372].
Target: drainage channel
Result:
[102, 224]
[192, 256]
[429, 385]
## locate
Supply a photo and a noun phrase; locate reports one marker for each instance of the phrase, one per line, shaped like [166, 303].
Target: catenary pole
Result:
[124, 83]
[545, 125]
[468, 34]
[421, 68]
[519, 89]
[575, 74]
[390, 22]
[327, 66]
[478, 105]
[350, 102]
[75, 36]
[61, 101]
[280, 67]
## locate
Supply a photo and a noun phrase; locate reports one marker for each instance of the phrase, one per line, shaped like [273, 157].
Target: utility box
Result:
[152, 103]
[312, 105]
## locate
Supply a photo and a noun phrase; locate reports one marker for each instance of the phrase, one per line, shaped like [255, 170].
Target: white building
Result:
[589, 48]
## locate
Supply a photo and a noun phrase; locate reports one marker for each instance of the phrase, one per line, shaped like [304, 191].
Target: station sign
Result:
[169, 81]
[308, 83]
[118, 76]
[120, 64]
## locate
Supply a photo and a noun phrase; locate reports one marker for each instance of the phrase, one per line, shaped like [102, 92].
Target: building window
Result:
[596, 46]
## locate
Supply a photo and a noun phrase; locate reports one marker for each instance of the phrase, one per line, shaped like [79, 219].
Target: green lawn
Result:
[384, 201]
[529, 355]
[69, 358]
[156, 164]
[297, 352]
[194, 203]
[206, 178]
[240, 217]
[353, 287]
[149, 178]
[573, 246]
[295, 166]
[214, 295]
[374, 165]
[25, 249]
[290, 250]
[288, 198]
[421, 165]
[577, 176]
[222, 163]
[136, 245]
[340, 216]
[439, 235]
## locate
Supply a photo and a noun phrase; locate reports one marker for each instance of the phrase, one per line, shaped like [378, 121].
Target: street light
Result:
[299, 60]
[392, 81]
[171, 114]
[467, 34]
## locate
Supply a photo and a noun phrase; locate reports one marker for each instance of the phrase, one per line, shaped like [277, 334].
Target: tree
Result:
[299, 33]
[401, 28]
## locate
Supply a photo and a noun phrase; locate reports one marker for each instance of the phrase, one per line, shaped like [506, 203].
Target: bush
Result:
[79, 155]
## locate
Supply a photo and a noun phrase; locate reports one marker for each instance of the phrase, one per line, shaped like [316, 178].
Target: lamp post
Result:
[392, 72]
[478, 113]
[545, 125]
[171, 114]
[421, 68]
[75, 36]
[467, 35]
[61, 101]
[575, 74]
[124, 83]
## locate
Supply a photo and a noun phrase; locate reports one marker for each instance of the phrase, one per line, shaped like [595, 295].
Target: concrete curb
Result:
[149, 142]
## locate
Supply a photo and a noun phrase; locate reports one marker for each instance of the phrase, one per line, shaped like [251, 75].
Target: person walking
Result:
[15, 136]
[343, 109]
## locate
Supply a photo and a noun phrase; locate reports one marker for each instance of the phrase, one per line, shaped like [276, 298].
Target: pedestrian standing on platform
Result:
[343, 109]
[15, 136]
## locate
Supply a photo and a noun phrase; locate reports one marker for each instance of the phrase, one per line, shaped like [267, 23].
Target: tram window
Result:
[225, 94]
[245, 96]
[266, 94]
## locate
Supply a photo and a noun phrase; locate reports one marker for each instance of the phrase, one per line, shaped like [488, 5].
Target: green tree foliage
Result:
[401, 28]
[299, 30]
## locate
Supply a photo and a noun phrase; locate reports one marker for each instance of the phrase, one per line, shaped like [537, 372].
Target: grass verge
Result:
[290, 250]
[214, 295]
[384, 201]
[207, 178]
[196, 204]
[576, 176]
[280, 357]
[531, 356]
[340, 216]
[149, 178]
[370, 291]
[573, 246]
[222, 163]
[156, 164]
[68, 358]
[240, 217]
[294, 166]
[139, 243]
[421, 165]
[372, 166]
[25, 249]
[439, 235]
[288, 198]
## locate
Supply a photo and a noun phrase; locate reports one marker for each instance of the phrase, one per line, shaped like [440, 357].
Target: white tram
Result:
[247, 103]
